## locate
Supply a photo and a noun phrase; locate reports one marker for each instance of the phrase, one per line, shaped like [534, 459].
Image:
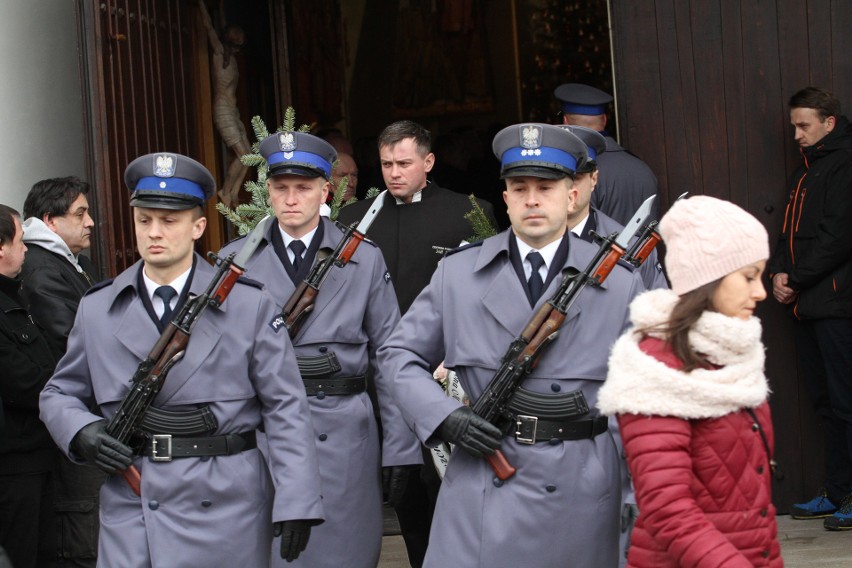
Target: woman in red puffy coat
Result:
[688, 388]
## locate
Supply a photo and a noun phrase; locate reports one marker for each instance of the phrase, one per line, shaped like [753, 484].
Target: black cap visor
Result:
[295, 170]
[163, 200]
[535, 171]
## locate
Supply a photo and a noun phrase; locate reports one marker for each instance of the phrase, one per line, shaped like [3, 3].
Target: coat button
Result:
[206, 503]
[498, 482]
[25, 335]
[323, 437]
[550, 488]
[323, 349]
[755, 426]
[765, 554]
[320, 395]
[153, 505]
[760, 469]
[763, 512]
[555, 387]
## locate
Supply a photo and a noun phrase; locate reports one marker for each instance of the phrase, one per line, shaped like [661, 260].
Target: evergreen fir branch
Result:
[372, 192]
[482, 228]
[252, 160]
[289, 119]
[259, 127]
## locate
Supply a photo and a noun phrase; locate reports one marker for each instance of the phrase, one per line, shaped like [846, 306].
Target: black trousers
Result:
[27, 523]
[77, 490]
[417, 508]
[825, 358]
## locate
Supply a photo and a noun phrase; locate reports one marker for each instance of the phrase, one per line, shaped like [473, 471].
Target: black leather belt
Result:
[164, 447]
[531, 429]
[338, 386]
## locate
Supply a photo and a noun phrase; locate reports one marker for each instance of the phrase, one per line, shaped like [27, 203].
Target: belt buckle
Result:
[526, 429]
[165, 440]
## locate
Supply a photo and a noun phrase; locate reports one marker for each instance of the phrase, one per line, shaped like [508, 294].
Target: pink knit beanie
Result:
[708, 238]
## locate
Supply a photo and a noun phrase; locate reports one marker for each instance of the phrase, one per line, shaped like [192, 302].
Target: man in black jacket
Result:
[27, 453]
[57, 229]
[811, 272]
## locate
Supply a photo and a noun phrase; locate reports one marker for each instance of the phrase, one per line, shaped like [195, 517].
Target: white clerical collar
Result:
[416, 198]
[150, 286]
[547, 253]
[578, 228]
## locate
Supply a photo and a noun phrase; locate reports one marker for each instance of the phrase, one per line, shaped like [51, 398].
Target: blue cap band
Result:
[591, 110]
[172, 185]
[545, 156]
[300, 158]
[592, 154]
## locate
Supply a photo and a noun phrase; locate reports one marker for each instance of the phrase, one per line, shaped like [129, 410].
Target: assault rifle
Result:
[171, 346]
[303, 298]
[526, 350]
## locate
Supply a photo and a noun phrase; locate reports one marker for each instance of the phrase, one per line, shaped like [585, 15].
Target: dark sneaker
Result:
[817, 508]
[841, 520]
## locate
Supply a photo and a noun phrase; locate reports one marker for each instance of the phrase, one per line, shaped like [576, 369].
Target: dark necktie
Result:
[298, 248]
[166, 293]
[535, 283]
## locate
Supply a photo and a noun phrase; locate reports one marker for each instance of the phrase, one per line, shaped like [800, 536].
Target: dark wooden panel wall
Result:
[701, 93]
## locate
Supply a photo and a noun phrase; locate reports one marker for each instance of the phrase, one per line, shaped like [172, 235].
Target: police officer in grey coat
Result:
[562, 506]
[206, 491]
[584, 219]
[354, 313]
[625, 180]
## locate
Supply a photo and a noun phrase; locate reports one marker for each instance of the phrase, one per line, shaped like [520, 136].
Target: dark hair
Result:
[822, 101]
[7, 224]
[402, 129]
[685, 313]
[53, 197]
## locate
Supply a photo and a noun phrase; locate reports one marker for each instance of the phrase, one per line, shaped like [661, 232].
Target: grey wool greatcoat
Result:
[561, 508]
[355, 312]
[193, 512]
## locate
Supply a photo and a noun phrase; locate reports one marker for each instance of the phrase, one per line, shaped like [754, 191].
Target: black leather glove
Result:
[470, 432]
[395, 482]
[294, 537]
[99, 448]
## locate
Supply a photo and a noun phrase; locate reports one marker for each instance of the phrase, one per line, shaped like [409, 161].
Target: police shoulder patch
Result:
[277, 322]
[99, 285]
[387, 277]
[463, 247]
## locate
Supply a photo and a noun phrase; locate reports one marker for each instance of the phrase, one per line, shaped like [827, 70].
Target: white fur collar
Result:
[640, 384]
